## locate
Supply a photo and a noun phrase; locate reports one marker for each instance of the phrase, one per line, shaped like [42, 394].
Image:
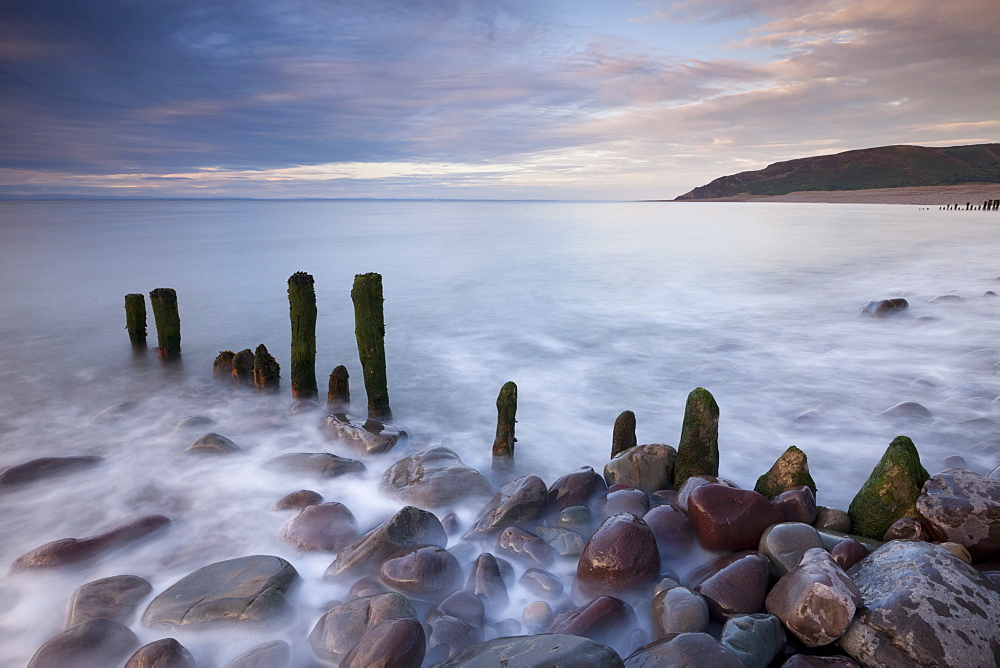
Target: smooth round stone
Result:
[274, 654]
[213, 444]
[424, 571]
[451, 524]
[407, 528]
[755, 639]
[668, 582]
[647, 467]
[625, 501]
[832, 519]
[693, 483]
[603, 620]
[683, 649]
[369, 585]
[542, 583]
[165, 653]
[576, 518]
[433, 478]
[663, 496]
[620, 557]
[519, 501]
[678, 610]
[507, 627]
[907, 528]
[733, 585]
[809, 661]
[463, 605]
[193, 422]
[848, 552]
[565, 542]
[796, 505]
[486, 582]
[344, 625]
[959, 551]
[672, 530]
[324, 527]
[961, 506]
[115, 598]
[728, 519]
[316, 464]
[394, 643]
[538, 615]
[447, 635]
[92, 644]
[578, 488]
[784, 544]
[536, 651]
[524, 546]
[298, 500]
[619, 486]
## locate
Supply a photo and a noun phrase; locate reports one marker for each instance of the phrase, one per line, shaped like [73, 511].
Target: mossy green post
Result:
[338, 396]
[503, 444]
[302, 309]
[790, 471]
[223, 365]
[135, 320]
[243, 367]
[369, 329]
[266, 370]
[623, 436]
[890, 492]
[168, 322]
[698, 449]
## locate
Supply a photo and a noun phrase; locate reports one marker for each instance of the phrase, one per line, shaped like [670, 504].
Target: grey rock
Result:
[683, 649]
[519, 501]
[833, 519]
[324, 527]
[69, 551]
[567, 543]
[486, 582]
[784, 544]
[44, 467]
[678, 610]
[542, 583]
[115, 598]
[540, 651]
[165, 653]
[433, 478]
[340, 629]
[298, 500]
[96, 643]
[881, 308]
[447, 635]
[213, 444]
[407, 528]
[274, 654]
[525, 546]
[755, 639]
[316, 464]
[963, 507]
[393, 643]
[644, 467]
[369, 437]
[807, 661]
[906, 410]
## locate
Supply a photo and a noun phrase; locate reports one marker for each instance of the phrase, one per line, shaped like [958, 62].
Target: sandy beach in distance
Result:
[920, 195]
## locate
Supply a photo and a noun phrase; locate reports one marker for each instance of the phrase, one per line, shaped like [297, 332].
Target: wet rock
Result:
[316, 464]
[213, 444]
[907, 528]
[906, 410]
[165, 653]
[299, 499]
[433, 478]
[833, 519]
[96, 643]
[672, 530]
[425, 572]
[784, 544]
[807, 661]
[394, 643]
[620, 557]
[890, 492]
[246, 590]
[678, 610]
[848, 552]
[816, 600]
[451, 524]
[193, 422]
[407, 528]
[625, 501]
[116, 412]
[578, 488]
[463, 605]
[274, 654]
[369, 585]
[115, 598]
[519, 501]
[542, 583]
[68, 551]
[540, 651]
[683, 649]
[796, 505]
[369, 437]
[959, 551]
[304, 406]
[538, 615]
[43, 468]
[755, 639]
[922, 606]
[525, 546]
[790, 471]
[565, 542]
[447, 635]
[603, 620]
[576, 518]
[698, 448]
[733, 585]
[343, 626]
[644, 467]
[963, 507]
[486, 582]
[882, 308]
[693, 483]
[729, 519]
[325, 527]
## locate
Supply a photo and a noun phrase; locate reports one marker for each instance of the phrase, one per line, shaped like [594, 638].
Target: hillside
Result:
[882, 167]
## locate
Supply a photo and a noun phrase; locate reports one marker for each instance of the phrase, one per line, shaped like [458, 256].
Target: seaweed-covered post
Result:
[698, 448]
[266, 371]
[224, 364]
[243, 367]
[338, 396]
[302, 309]
[623, 436]
[168, 322]
[135, 320]
[503, 444]
[369, 329]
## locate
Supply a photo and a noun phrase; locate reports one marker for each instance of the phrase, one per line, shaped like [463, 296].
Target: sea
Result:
[590, 308]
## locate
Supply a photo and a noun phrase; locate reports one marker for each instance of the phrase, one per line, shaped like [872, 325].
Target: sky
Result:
[496, 99]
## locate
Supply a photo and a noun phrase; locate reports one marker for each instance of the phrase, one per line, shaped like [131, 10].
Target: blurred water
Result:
[590, 308]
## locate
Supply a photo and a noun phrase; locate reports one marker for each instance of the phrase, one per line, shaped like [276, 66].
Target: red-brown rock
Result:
[672, 530]
[620, 557]
[325, 527]
[796, 505]
[603, 620]
[578, 488]
[734, 584]
[524, 546]
[425, 572]
[848, 552]
[729, 519]
[394, 643]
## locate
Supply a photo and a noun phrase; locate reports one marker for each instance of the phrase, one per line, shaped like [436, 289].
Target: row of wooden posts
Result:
[988, 205]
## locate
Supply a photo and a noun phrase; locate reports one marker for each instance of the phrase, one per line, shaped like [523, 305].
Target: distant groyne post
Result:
[266, 371]
[168, 322]
[302, 310]
[503, 444]
[369, 329]
[338, 396]
[135, 320]
[623, 435]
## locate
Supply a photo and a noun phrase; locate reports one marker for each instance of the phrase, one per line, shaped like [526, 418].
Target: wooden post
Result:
[135, 320]
[302, 309]
[168, 322]
[243, 367]
[369, 329]
[266, 371]
[623, 436]
[223, 365]
[338, 396]
[503, 444]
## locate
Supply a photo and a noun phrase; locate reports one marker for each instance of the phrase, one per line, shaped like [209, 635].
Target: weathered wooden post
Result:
[302, 309]
[266, 371]
[135, 320]
[222, 368]
[168, 322]
[369, 329]
[623, 436]
[698, 448]
[503, 444]
[243, 367]
[338, 396]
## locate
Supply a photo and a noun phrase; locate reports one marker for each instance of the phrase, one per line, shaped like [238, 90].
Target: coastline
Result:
[913, 195]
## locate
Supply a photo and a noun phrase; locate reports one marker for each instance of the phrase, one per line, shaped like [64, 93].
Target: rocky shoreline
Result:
[933, 196]
[653, 561]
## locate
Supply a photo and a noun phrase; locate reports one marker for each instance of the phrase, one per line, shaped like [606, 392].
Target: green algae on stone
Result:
[135, 320]
[168, 322]
[623, 436]
[266, 370]
[369, 329]
[790, 471]
[302, 311]
[338, 395]
[503, 444]
[698, 449]
[890, 492]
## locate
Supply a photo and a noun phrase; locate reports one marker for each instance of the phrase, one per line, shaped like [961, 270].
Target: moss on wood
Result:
[135, 320]
[369, 329]
[168, 321]
[503, 444]
[302, 311]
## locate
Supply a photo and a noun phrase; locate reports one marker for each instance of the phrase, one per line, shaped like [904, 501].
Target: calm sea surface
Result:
[590, 308]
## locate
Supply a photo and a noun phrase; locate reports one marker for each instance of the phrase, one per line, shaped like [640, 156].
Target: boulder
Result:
[542, 583]
[672, 530]
[165, 653]
[368, 438]
[519, 501]
[565, 542]
[95, 643]
[325, 527]
[963, 507]
[394, 643]
[486, 582]
[693, 483]
[407, 528]
[677, 610]
[890, 492]
[213, 444]
[463, 605]
[881, 308]
[725, 518]
[433, 478]
[833, 519]
[343, 626]
[906, 411]
[315, 464]
[603, 620]
[790, 471]
[621, 557]
[44, 467]
[578, 488]
[69, 551]
[447, 635]
[735, 584]
[539, 651]
[796, 505]
[683, 649]
[425, 572]
[298, 500]
[908, 528]
[524, 546]
[784, 544]
[809, 661]
[644, 467]
[848, 552]
[274, 654]
[755, 639]
[115, 598]
[625, 501]
[698, 448]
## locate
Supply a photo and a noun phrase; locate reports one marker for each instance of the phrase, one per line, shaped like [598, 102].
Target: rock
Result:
[343, 626]
[890, 492]
[816, 600]
[683, 649]
[698, 449]
[326, 527]
[394, 643]
[922, 605]
[647, 467]
[784, 544]
[451, 524]
[672, 530]
[729, 519]
[754, 639]
[625, 501]
[735, 584]
[519, 501]
[433, 478]
[115, 412]
[565, 542]
[274, 654]
[884, 307]
[299, 499]
[963, 507]
[678, 610]
[317, 464]
[796, 505]
[542, 583]
[192, 422]
[463, 605]
[304, 406]
[693, 483]
[833, 519]
[369, 437]
[906, 410]
[69, 551]
[447, 635]
[789, 472]
[540, 651]
[525, 546]
[425, 572]
[578, 488]
[486, 582]
[576, 518]
[369, 585]
[44, 467]
[407, 528]
[247, 590]
[621, 557]
[848, 552]
[623, 434]
[907, 528]
[115, 598]
[96, 643]
[603, 620]
[959, 551]
[165, 653]
[808, 661]
[213, 444]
